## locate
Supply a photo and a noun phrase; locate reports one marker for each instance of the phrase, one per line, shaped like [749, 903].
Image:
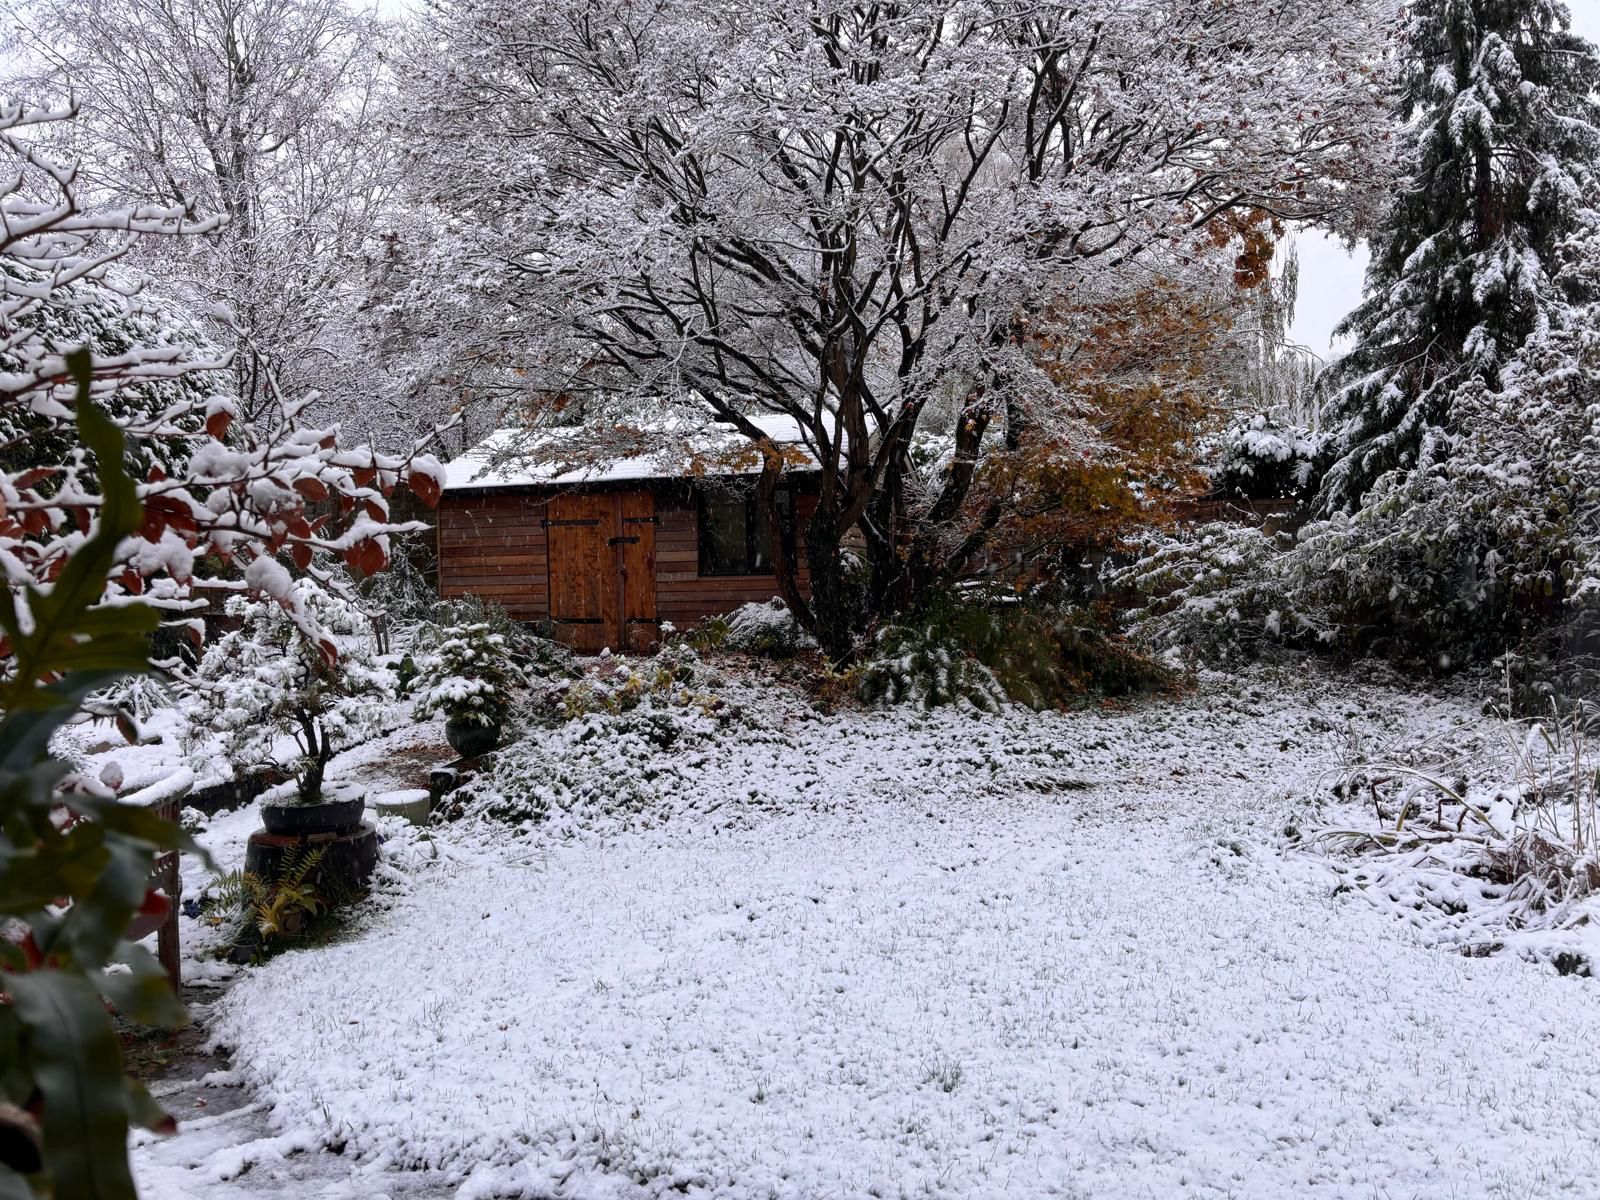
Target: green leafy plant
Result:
[74, 868]
[673, 678]
[709, 635]
[262, 910]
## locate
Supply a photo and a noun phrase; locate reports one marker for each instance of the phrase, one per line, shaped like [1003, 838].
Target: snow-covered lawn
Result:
[868, 955]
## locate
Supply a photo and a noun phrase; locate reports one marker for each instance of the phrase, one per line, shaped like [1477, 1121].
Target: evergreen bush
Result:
[467, 674]
[988, 649]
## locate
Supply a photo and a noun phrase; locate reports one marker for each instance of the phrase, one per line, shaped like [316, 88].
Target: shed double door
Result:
[602, 550]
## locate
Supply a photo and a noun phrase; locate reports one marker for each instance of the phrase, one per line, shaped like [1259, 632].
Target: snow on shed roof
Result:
[510, 458]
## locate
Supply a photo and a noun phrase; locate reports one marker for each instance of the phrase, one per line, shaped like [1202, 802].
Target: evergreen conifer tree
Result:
[1502, 138]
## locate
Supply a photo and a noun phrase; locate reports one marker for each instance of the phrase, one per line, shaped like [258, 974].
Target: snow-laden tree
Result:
[267, 113]
[91, 553]
[1461, 512]
[252, 498]
[88, 312]
[1490, 547]
[265, 684]
[465, 671]
[1274, 377]
[858, 216]
[1501, 154]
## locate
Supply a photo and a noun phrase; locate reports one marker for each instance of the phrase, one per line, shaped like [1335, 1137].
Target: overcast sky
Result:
[1331, 277]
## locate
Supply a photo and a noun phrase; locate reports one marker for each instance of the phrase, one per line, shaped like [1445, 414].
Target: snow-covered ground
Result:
[892, 955]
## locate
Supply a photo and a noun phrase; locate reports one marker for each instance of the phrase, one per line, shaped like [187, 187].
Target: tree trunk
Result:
[832, 608]
[780, 539]
[319, 751]
[916, 561]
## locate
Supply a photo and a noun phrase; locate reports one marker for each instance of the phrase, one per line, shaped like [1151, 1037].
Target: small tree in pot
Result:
[268, 682]
[467, 674]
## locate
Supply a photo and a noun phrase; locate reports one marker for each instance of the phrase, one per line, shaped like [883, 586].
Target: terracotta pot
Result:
[469, 739]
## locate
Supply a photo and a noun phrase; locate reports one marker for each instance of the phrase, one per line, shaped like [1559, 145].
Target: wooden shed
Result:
[606, 554]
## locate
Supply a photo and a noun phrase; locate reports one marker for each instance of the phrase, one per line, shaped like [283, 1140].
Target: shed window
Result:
[734, 540]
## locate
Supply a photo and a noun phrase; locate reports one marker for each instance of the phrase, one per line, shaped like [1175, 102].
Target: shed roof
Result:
[513, 458]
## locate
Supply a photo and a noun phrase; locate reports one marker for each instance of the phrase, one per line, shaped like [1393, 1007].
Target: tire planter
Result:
[347, 858]
[471, 740]
[347, 862]
[301, 820]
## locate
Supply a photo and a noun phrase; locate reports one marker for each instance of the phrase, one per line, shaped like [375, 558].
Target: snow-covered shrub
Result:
[769, 628]
[1224, 592]
[924, 666]
[600, 765]
[537, 655]
[402, 593]
[135, 696]
[1090, 655]
[1045, 651]
[1352, 585]
[535, 666]
[1490, 543]
[267, 683]
[437, 615]
[766, 628]
[92, 313]
[467, 673]
[991, 646]
[1264, 460]
[1485, 846]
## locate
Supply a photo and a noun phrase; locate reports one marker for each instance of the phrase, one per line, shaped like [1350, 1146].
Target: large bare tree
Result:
[267, 113]
[862, 216]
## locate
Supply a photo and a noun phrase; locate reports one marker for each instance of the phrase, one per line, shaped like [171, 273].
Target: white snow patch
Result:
[867, 958]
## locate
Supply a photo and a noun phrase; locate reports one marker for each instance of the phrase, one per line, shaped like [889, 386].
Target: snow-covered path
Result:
[930, 984]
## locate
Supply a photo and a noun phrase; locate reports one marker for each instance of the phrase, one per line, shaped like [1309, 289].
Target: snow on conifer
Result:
[1502, 142]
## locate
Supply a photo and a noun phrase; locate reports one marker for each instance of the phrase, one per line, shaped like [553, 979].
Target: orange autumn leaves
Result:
[1143, 377]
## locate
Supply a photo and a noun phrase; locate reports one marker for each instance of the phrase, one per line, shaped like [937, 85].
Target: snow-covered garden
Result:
[760, 601]
[776, 952]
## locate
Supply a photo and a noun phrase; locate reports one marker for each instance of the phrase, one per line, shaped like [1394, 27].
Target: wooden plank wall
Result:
[493, 546]
[683, 596]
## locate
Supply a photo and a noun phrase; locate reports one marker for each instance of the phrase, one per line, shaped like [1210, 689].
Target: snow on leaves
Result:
[266, 685]
[226, 504]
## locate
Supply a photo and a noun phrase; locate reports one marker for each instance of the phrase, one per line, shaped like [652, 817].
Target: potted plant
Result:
[268, 683]
[467, 674]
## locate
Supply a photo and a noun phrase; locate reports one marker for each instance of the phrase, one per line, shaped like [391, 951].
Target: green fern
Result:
[273, 907]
